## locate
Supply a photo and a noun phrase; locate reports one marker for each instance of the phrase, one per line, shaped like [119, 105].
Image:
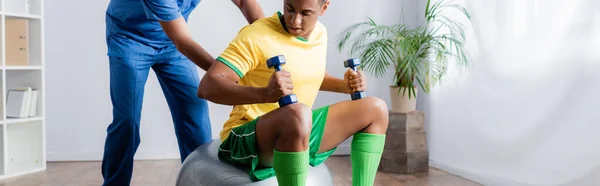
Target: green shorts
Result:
[240, 147]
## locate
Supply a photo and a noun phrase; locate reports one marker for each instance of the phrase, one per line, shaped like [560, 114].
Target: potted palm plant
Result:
[419, 56]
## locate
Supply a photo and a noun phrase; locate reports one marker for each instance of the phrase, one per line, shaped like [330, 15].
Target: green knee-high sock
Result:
[365, 154]
[291, 168]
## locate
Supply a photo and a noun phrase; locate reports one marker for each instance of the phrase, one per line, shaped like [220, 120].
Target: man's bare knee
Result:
[298, 120]
[378, 108]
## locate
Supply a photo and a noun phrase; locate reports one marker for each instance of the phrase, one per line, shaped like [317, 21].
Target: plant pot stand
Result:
[405, 149]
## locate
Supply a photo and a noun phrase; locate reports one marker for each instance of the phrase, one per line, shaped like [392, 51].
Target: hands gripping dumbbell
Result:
[276, 62]
[353, 63]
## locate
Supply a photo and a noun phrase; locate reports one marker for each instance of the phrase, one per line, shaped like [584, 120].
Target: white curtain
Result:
[527, 110]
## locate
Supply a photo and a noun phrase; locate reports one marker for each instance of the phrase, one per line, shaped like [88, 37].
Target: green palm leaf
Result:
[418, 55]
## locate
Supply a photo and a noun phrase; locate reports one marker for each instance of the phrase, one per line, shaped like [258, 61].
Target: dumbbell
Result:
[353, 63]
[276, 62]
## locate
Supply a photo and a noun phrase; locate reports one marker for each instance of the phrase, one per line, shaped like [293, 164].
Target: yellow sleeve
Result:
[241, 54]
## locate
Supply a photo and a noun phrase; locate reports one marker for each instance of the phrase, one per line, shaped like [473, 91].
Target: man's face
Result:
[301, 15]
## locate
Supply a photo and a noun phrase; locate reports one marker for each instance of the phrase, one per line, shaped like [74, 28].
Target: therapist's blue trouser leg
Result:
[179, 81]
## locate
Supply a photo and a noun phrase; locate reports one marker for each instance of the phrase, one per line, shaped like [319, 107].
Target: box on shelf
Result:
[21, 102]
[17, 42]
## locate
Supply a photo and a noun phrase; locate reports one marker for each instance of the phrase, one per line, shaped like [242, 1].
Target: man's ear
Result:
[324, 8]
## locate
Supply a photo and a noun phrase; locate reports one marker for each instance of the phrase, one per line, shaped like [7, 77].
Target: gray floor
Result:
[163, 173]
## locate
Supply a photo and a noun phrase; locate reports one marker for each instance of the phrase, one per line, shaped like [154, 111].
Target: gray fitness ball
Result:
[203, 168]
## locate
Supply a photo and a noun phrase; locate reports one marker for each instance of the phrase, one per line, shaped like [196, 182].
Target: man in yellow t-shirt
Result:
[270, 140]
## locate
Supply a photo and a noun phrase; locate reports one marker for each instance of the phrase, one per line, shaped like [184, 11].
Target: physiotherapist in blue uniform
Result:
[153, 34]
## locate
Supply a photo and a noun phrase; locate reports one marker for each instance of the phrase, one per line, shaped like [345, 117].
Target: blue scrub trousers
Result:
[179, 82]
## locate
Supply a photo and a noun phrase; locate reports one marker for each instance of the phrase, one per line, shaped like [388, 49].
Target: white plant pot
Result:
[400, 101]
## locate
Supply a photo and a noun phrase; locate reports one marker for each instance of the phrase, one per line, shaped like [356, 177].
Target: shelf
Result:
[20, 15]
[2, 96]
[25, 147]
[3, 150]
[21, 120]
[22, 67]
[31, 9]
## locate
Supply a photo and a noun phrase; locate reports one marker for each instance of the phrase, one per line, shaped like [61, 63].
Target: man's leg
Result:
[282, 139]
[179, 81]
[365, 119]
[127, 80]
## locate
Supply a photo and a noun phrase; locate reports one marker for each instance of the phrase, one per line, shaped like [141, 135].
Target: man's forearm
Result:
[220, 90]
[195, 53]
[333, 84]
[250, 9]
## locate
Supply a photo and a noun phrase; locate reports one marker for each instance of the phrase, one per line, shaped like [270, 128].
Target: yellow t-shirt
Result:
[265, 38]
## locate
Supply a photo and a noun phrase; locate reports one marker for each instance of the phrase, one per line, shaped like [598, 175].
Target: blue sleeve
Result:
[163, 10]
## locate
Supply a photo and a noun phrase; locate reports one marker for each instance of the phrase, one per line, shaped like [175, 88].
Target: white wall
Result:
[526, 111]
[75, 50]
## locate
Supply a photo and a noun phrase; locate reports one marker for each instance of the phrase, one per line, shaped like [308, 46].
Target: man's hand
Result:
[280, 85]
[178, 32]
[250, 9]
[356, 81]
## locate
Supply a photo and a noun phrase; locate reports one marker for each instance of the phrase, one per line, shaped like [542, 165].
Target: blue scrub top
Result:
[133, 30]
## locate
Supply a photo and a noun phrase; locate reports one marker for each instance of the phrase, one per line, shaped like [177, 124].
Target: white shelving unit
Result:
[23, 140]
